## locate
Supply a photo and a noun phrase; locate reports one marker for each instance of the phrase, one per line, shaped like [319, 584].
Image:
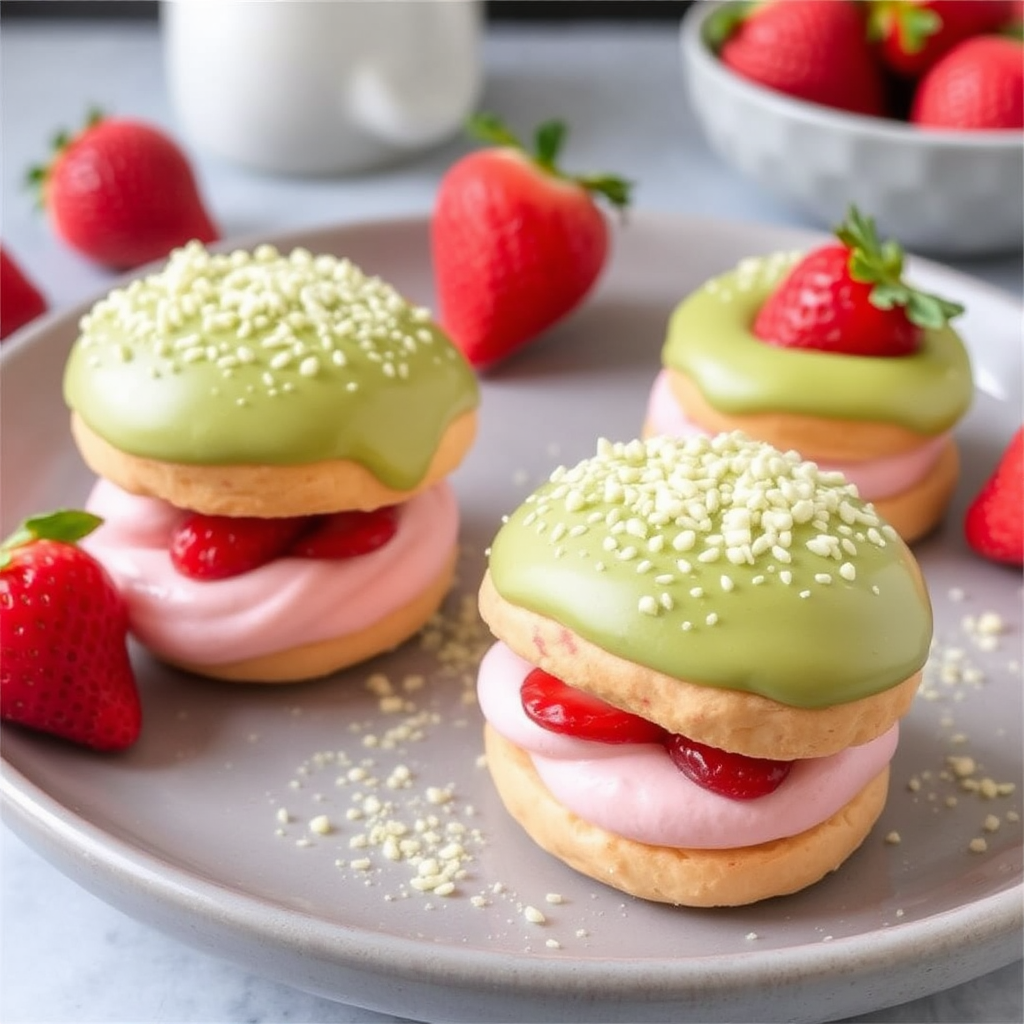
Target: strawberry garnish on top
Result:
[517, 242]
[63, 631]
[912, 35]
[994, 524]
[122, 193]
[20, 300]
[850, 297]
[814, 51]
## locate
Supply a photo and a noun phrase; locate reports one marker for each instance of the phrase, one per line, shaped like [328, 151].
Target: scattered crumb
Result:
[533, 915]
[893, 838]
[977, 845]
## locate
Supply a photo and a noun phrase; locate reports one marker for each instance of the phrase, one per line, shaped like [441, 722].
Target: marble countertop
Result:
[66, 956]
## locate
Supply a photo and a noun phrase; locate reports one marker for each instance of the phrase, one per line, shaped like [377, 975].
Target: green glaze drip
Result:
[723, 562]
[710, 340]
[259, 358]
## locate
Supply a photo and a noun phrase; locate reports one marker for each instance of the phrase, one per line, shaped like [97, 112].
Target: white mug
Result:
[321, 86]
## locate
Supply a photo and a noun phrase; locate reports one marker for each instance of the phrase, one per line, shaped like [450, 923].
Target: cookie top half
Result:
[724, 562]
[266, 358]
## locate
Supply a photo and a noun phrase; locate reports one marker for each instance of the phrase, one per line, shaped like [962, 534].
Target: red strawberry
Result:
[63, 629]
[913, 34]
[814, 51]
[978, 85]
[347, 534]
[994, 524]
[122, 193]
[517, 244]
[851, 298]
[561, 708]
[216, 547]
[733, 775]
[20, 300]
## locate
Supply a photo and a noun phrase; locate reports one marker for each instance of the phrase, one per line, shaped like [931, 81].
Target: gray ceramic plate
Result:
[184, 830]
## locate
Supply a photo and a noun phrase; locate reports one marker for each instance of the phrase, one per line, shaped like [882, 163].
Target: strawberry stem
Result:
[548, 140]
[912, 24]
[723, 22]
[881, 264]
[66, 525]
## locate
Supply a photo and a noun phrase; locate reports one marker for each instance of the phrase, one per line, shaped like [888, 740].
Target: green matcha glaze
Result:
[264, 358]
[711, 341]
[599, 548]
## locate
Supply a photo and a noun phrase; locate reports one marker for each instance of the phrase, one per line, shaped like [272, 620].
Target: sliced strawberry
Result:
[63, 632]
[217, 547]
[994, 524]
[731, 775]
[561, 708]
[851, 298]
[347, 534]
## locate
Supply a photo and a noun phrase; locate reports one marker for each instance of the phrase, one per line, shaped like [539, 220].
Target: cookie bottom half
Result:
[312, 661]
[684, 877]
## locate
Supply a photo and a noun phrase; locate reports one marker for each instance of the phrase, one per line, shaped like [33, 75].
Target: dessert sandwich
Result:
[273, 433]
[704, 648]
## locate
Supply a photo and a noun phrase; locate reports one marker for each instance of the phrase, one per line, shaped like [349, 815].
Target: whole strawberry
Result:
[978, 85]
[994, 523]
[63, 628]
[811, 50]
[850, 297]
[517, 244]
[122, 193]
[913, 34]
[20, 300]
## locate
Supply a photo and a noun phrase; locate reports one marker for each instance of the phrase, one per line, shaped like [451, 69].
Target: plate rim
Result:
[49, 826]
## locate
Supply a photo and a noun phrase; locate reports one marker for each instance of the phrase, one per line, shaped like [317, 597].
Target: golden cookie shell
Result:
[815, 437]
[266, 490]
[684, 877]
[745, 723]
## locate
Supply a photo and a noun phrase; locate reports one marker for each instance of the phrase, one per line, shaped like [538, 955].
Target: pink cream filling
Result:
[874, 478]
[286, 603]
[634, 790]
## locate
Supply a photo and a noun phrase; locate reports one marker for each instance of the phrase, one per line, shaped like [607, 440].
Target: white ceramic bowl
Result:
[937, 192]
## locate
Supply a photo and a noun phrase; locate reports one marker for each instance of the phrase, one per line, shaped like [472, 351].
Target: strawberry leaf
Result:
[885, 296]
[549, 139]
[490, 128]
[931, 311]
[723, 22]
[66, 525]
[615, 190]
[881, 264]
[916, 25]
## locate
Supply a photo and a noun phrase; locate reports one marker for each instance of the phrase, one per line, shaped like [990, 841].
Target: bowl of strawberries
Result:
[913, 110]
